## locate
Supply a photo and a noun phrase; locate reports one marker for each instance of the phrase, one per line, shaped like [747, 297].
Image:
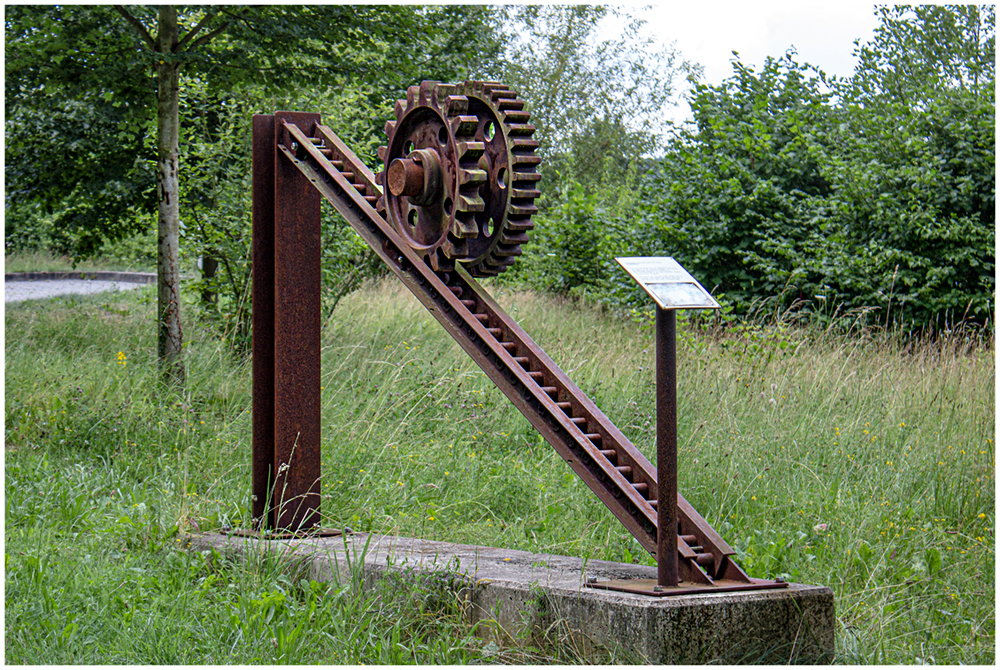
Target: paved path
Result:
[16, 291]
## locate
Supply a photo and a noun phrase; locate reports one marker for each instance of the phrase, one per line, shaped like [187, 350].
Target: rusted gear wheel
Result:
[431, 174]
[486, 167]
[511, 166]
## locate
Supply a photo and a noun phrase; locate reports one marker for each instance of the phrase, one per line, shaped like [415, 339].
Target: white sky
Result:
[707, 32]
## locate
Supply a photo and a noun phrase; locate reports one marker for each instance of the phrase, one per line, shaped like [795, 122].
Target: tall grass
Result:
[821, 457]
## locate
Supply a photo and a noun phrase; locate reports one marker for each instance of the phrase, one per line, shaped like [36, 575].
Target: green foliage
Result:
[596, 104]
[80, 113]
[837, 197]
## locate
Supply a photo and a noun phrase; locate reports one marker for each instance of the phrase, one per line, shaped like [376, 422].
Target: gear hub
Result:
[460, 173]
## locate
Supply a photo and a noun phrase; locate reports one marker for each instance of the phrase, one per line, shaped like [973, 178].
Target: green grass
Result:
[822, 458]
[44, 261]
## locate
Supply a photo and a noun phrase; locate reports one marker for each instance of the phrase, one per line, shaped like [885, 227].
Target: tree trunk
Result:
[168, 228]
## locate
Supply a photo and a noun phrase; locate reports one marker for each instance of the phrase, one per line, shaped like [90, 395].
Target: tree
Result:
[596, 104]
[57, 54]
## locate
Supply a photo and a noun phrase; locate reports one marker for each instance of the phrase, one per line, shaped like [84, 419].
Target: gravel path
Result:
[16, 291]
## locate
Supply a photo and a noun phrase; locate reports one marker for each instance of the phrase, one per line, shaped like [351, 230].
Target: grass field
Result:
[822, 457]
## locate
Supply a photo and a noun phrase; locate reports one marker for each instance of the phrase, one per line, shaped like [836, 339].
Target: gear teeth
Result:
[522, 210]
[470, 150]
[464, 227]
[471, 203]
[454, 247]
[516, 116]
[383, 149]
[520, 193]
[476, 176]
[520, 226]
[510, 237]
[464, 125]
[521, 129]
[455, 105]
[508, 250]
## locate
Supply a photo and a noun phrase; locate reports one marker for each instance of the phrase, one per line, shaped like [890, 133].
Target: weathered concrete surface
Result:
[524, 593]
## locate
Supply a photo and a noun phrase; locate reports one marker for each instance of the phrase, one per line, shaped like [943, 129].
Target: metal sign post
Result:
[672, 288]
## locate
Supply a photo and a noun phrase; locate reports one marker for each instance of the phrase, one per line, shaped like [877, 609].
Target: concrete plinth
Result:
[517, 590]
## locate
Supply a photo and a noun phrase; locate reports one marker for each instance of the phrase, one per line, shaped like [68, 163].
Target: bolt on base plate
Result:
[649, 587]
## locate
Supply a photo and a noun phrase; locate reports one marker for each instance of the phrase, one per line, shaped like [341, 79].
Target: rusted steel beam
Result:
[666, 448]
[263, 319]
[296, 493]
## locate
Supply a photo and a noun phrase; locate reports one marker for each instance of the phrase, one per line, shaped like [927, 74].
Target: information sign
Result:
[667, 283]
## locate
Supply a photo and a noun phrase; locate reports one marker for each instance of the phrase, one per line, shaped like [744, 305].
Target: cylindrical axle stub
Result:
[406, 177]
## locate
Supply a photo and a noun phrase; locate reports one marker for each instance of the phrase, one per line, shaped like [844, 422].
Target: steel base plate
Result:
[648, 587]
[286, 535]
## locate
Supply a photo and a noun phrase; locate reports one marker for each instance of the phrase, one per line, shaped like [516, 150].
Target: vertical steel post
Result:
[666, 447]
[296, 336]
[263, 320]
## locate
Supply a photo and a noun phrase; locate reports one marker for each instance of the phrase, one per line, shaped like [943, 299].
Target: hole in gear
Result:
[443, 135]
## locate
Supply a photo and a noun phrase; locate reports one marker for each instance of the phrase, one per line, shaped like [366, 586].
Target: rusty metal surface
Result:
[666, 447]
[593, 447]
[263, 318]
[460, 174]
[296, 492]
[649, 587]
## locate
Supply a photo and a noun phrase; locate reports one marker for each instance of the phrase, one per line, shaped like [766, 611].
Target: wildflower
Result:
[121, 358]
